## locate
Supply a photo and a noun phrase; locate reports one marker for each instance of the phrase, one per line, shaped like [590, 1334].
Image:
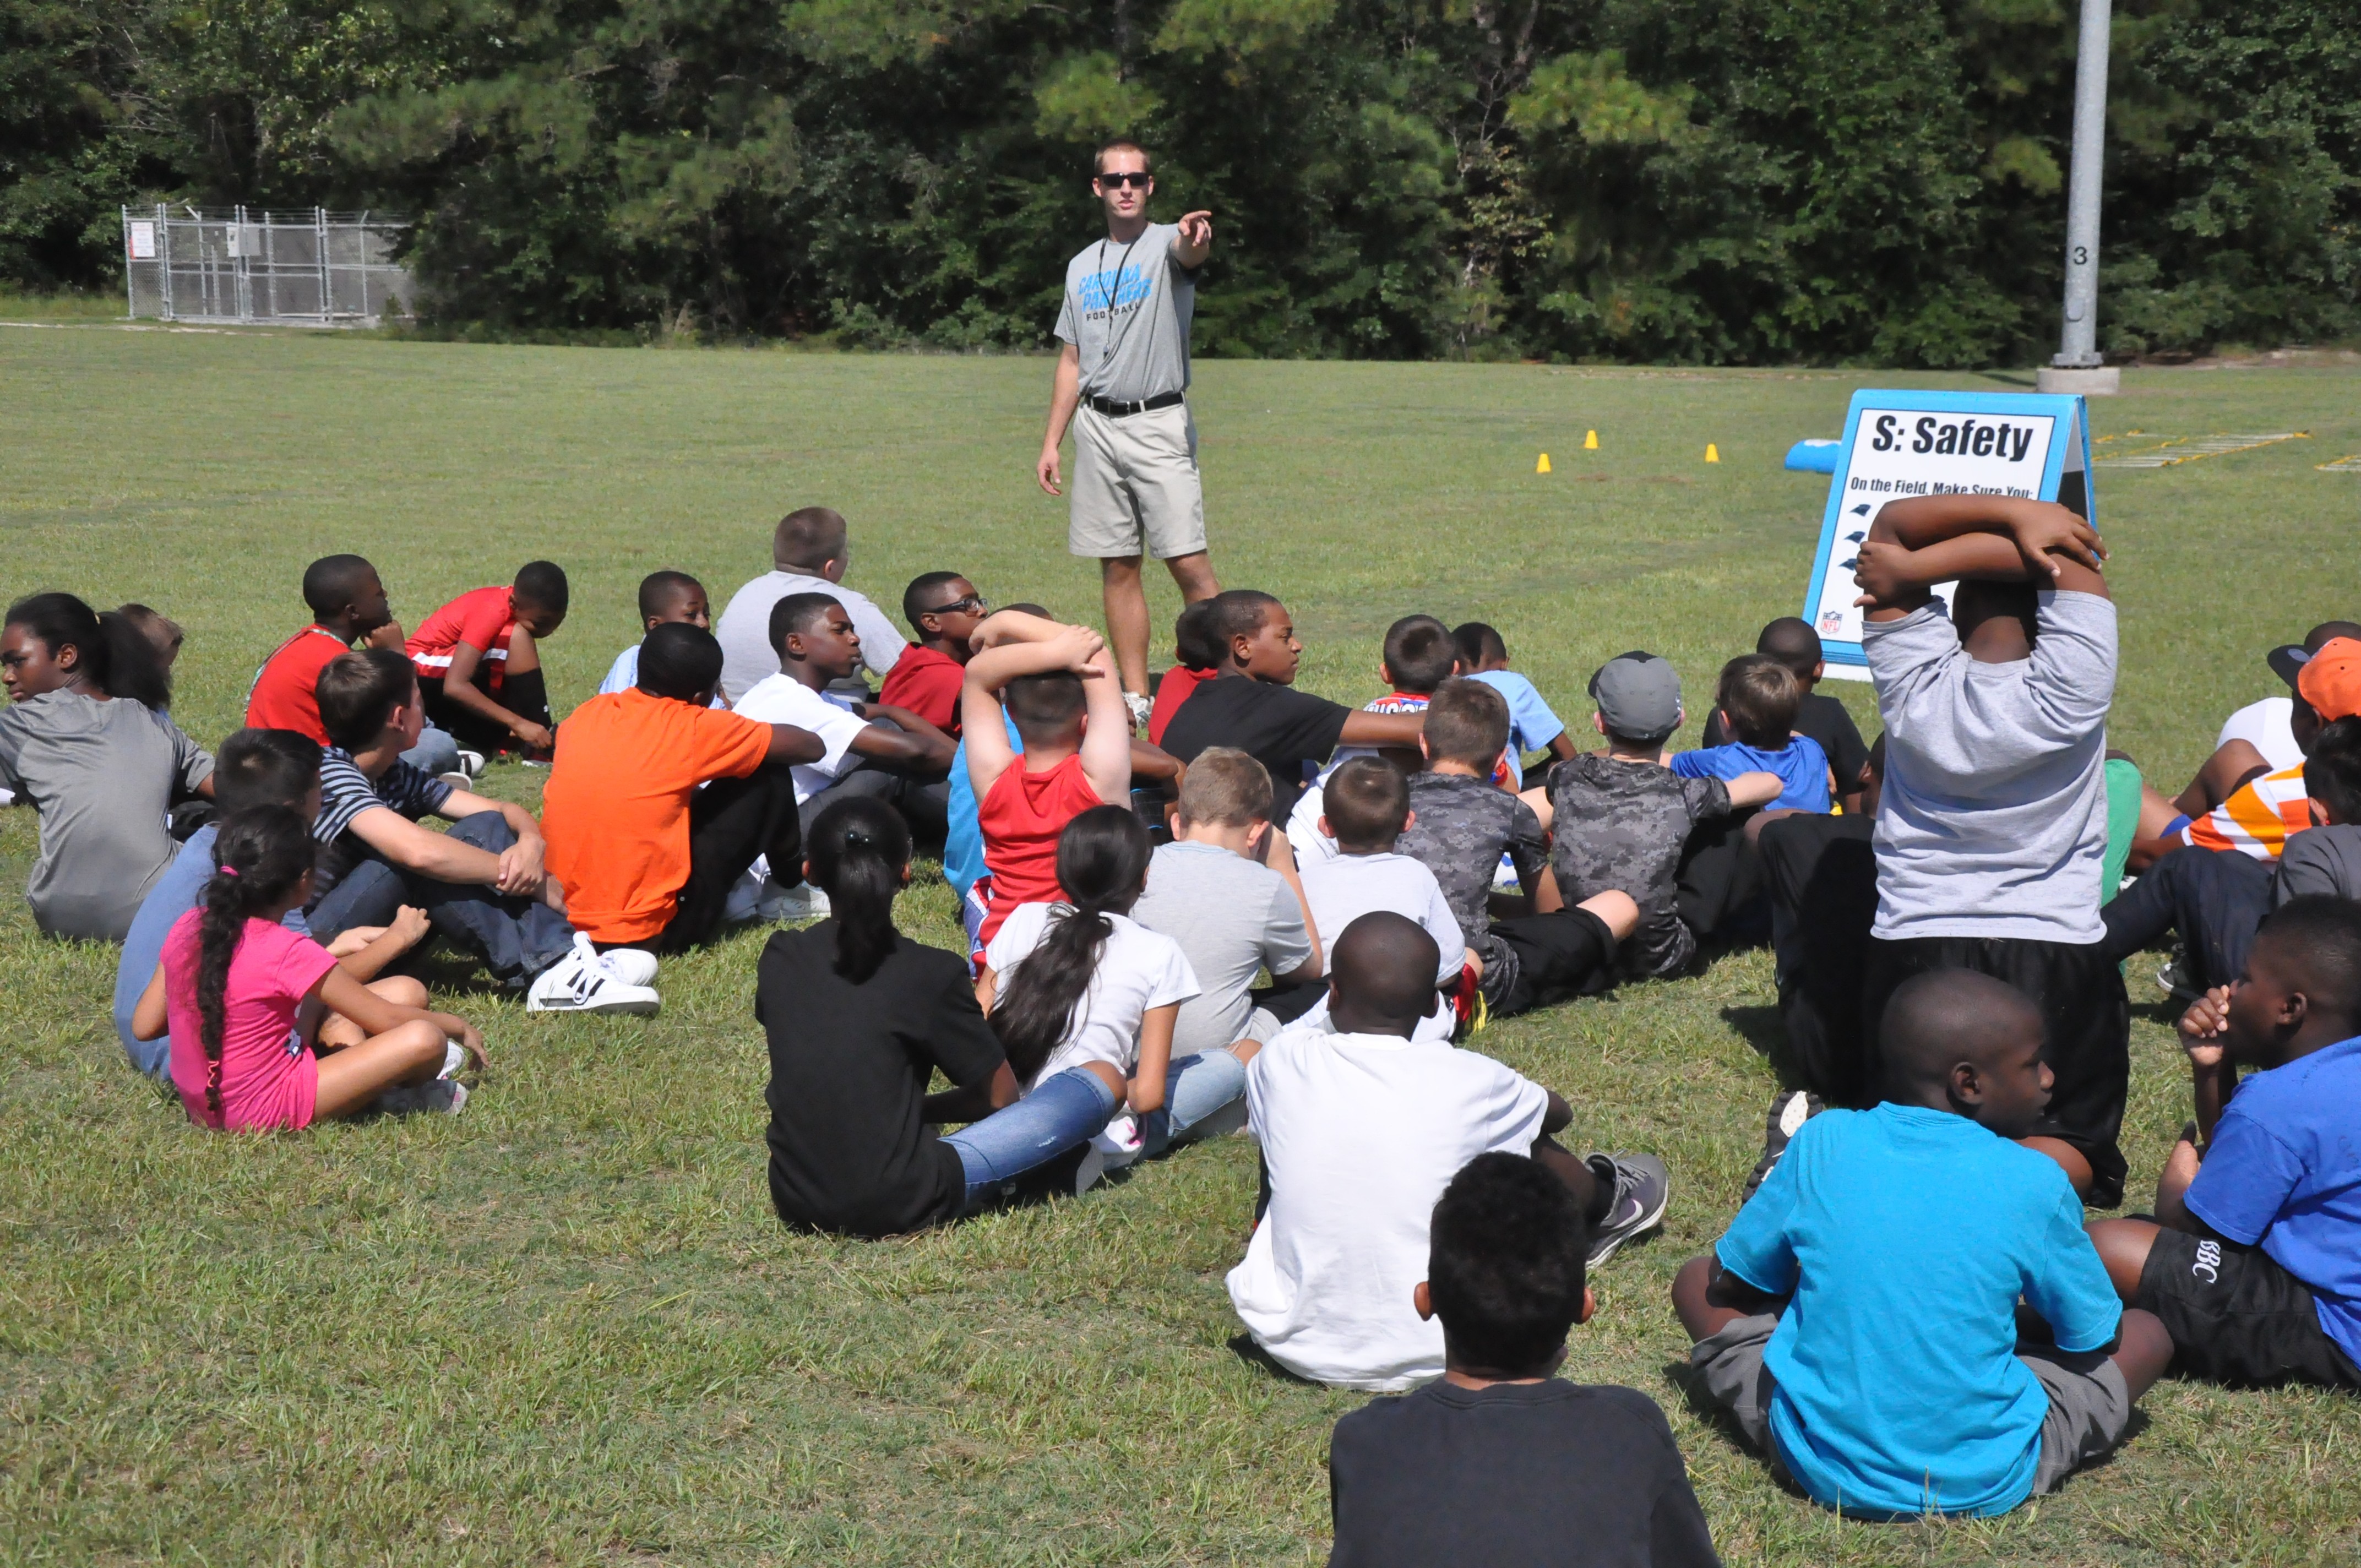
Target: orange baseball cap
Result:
[2331, 679]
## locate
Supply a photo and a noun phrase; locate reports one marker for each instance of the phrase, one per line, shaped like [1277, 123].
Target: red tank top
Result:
[1021, 817]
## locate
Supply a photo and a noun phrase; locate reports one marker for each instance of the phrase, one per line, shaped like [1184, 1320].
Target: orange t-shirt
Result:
[1021, 817]
[616, 808]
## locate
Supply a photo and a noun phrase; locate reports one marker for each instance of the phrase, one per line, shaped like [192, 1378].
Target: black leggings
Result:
[729, 823]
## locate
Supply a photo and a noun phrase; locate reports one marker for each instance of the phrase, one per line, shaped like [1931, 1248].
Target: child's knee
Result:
[401, 990]
[1618, 910]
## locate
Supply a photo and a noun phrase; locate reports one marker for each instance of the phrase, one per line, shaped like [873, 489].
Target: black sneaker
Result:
[1788, 1114]
[1640, 1189]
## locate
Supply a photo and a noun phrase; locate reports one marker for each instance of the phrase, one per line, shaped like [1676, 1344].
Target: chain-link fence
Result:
[314, 269]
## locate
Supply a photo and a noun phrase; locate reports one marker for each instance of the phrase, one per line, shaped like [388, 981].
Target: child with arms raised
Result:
[248, 1002]
[2254, 1261]
[1859, 1317]
[1501, 1462]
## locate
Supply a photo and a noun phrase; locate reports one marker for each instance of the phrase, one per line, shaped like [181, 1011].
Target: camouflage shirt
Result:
[1460, 826]
[1621, 825]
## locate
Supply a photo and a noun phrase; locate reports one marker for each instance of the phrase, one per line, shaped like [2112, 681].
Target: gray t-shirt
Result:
[102, 775]
[1231, 916]
[1126, 313]
[1994, 818]
[744, 629]
[2320, 860]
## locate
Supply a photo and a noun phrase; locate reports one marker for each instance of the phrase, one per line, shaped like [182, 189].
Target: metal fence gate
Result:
[314, 269]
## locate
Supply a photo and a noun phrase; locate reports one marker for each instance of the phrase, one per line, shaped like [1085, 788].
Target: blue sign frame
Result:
[1846, 659]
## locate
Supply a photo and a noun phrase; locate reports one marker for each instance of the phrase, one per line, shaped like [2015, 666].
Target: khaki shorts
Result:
[1134, 490]
[2090, 1403]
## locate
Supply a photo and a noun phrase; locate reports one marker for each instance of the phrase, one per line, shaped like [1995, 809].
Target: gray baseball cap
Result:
[1638, 695]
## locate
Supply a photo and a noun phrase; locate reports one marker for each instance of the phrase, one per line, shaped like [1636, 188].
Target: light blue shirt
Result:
[1802, 767]
[623, 674]
[963, 836]
[1905, 1237]
[1532, 725]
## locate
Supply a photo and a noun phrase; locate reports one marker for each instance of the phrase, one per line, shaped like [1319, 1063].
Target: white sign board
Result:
[143, 239]
[1901, 443]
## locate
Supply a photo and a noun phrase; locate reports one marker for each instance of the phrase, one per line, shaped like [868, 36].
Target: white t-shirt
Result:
[783, 699]
[748, 655]
[2265, 726]
[1361, 1134]
[1137, 970]
[1994, 816]
[1303, 826]
[1343, 890]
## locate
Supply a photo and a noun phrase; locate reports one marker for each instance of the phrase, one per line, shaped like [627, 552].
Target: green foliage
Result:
[1715, 180]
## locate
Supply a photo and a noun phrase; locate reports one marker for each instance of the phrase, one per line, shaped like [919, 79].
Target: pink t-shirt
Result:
[269, 1078]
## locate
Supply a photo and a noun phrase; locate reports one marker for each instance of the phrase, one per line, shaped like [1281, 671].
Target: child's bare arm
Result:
[366, 960]
[2049, 543]
[148, 1016]
[1753, 789]
[1106, 737]
[1147, 1086]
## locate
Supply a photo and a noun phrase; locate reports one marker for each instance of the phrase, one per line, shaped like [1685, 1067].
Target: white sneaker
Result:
[802, 902]
[632, 966]
[1117, 1145]
[1140, 707]
[582, 982]
[456, 779]
[471, 763]
[437, 1096]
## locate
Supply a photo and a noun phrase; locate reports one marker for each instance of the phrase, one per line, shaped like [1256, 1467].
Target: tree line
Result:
[1703, 180]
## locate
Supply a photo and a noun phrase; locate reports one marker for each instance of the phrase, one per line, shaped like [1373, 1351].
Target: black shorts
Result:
[2236, 1317]
[1566, 953]
[2086, 1027]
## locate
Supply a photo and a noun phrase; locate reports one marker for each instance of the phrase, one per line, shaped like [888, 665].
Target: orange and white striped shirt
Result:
[2256, 819]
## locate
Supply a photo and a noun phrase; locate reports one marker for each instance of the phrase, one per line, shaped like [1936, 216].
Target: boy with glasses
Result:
[944, 610]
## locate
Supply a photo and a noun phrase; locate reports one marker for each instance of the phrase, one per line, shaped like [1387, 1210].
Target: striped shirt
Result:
[344, 793]
[2258, 818]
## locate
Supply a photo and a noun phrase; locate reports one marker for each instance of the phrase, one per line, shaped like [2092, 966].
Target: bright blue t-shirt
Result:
[1905, 1237]
[1802, 767]
[2284, 1172]
[963, 836]
[1532, 725]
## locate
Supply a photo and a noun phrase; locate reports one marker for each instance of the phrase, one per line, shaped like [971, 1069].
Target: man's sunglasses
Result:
[972, 603]
[1138, 180]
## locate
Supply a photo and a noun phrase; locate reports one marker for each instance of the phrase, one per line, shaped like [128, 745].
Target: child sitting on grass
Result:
[1757, 703]
[2253, 1260]
[1368, 809]
[1084, 998]
[1532, 726]
[944, 610]
[1499, 1460]
[1461, 824]
[248, 1004]
[1196, 658]
[1361, 1130]
[1419, 657]
[479, 660]
[1792, 642]
[1068, 708]
[665, 598]
[1860, 1318]
[1620, 818]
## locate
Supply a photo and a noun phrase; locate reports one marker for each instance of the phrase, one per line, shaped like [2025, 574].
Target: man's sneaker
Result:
[471, 763]
[1788, 1114]
[436, 1096]
[1641, 1188]
[632, 966]
[583, 981]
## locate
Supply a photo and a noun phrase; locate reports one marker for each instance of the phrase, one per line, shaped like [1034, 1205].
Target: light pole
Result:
[2077, 367]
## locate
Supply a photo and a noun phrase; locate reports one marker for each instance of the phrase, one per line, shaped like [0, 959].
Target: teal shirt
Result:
[1905, 1237]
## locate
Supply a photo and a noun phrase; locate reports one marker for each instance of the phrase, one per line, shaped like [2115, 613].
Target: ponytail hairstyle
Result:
[260, 855]
[110, 650]
[1102, 868]
[859, 849]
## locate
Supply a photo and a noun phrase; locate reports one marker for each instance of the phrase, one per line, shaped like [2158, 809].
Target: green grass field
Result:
[564, 1327]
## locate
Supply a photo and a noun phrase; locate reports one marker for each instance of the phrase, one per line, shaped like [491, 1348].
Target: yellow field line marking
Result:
[2191, 449]
[2342, 466]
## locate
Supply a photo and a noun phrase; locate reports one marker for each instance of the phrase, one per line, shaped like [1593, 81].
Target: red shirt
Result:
[1021, 817]
[286, 690]
[1170, 693]
[483, 619]
[927, 683]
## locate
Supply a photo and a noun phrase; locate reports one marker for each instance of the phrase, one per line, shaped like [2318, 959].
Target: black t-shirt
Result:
[1514, 1474]
[849, 1149]
[1825, 719]
[1279, 727]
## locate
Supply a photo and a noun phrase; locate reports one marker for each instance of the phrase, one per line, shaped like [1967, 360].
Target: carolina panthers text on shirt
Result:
[1101, 291]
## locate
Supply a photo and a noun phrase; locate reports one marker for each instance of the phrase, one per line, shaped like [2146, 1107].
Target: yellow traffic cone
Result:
[1712, 453]
[1591, 441]
[1543, 466]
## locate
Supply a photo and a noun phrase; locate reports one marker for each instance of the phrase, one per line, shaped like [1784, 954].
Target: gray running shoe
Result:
[1789, 1112]
[1641, 1189]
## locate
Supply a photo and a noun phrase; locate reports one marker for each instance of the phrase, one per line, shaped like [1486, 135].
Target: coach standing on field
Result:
[1121, 383]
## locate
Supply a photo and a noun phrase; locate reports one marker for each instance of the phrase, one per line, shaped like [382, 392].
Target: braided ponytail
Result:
[1102, 867]
[259, 858]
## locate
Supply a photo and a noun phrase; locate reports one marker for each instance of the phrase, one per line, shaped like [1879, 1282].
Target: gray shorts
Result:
[1135, 490]
[2090, 1404]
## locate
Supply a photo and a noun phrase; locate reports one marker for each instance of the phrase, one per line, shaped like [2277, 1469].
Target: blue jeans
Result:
[1064, 1111]
[436, 751]
[1197, 1090]
[515, 938]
